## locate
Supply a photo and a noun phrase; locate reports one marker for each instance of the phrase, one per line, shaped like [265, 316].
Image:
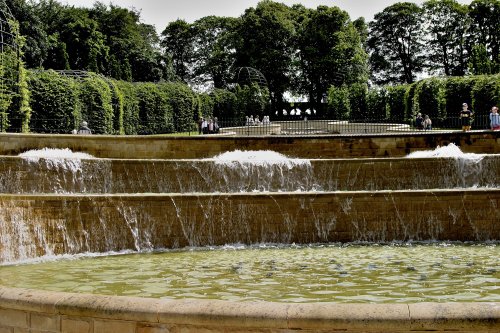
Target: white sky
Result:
[161, 12]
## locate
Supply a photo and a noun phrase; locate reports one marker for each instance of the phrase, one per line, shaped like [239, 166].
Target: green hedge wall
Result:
[440, 98]
[130, 107]
[155, 112]
[54, 102]
[95, 104]
[182, 102]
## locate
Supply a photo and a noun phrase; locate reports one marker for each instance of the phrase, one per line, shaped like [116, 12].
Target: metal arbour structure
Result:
[245, 76]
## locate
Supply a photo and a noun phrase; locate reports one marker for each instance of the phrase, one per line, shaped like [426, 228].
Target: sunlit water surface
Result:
[329, 273]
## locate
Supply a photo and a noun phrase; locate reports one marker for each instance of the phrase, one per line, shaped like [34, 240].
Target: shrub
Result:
[396, 102]
[429, 98]
[485, 94]
[155, 112]
[225, 103]
[338, 103]
[251, 100]
[376, 103]
[130, 102]
[117, 105]
[182, 103]
[95, 104]
[357, 100]
[54, 100]
[458, 90]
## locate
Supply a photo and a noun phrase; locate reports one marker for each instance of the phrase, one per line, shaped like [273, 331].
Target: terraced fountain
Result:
[263, 209]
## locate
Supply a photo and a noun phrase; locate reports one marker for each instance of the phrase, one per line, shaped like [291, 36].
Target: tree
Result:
[264, 42]
[134, 52]
[396, 43]
[213, 55]
[177, 40]
[447, 28]
[485, 16]
[330, 52]
[31, 27]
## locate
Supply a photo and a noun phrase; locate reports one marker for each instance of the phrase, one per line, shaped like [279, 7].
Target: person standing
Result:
[427, 123]
[494, 119]
[419, 122]
[466, 117]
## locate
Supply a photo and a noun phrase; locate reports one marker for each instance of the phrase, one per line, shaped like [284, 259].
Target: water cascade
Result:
[59, 202]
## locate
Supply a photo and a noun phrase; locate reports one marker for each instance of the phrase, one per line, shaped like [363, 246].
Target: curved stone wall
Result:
[37, 225]
[23, 176]
[54, 312]
[338, 146]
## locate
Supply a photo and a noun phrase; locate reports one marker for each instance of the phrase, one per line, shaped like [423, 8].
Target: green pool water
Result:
[328, 273]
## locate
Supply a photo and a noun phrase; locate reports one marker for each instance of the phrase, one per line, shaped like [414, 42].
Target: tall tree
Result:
[330, 52]
[31, 27]
[177, 40]
[447, 29]
[264, 42]
[213, 55]
[485, 16]
[396, 43]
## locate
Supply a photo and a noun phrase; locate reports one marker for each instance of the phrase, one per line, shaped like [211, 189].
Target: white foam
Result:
[50, 153]
[446, 151]
[259, 158]
[63, 159]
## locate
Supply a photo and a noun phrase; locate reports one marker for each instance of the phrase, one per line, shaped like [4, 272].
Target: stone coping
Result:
[216, 315]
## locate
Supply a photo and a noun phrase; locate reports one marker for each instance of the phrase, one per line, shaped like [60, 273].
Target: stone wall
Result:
[19, 175]
[54, 312]
[34, 226]
[337, 146]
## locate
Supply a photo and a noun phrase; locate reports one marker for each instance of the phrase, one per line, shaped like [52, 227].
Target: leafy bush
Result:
[376, 103]
[396, 102]
[485, 94]
[205, 106]
[225, 103]
[131, 120]
[117, 105]
[182, 103]
[95, 104]
[251, 100]
[155, 112]
[458, 90]
[54, 101]
[338, 103]
[357, 101]
[429, 98]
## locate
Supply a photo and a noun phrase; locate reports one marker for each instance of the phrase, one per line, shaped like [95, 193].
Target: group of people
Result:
[208, 126]
[423, 123]
[83, 129]
[466, 117]
[255, 121]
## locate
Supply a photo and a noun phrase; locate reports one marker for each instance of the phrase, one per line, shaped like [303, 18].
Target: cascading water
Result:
[60, 204]
[236, 197]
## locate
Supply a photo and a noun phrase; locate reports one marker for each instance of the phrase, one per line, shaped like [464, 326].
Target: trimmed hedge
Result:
[155, 112]
[95, 104]
[54, 102]
[182, 103]
[130, 107]
[440, 98]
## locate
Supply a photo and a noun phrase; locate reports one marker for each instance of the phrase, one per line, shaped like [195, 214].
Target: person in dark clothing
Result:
[466, 117]
[419, 122]
[84, 128]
